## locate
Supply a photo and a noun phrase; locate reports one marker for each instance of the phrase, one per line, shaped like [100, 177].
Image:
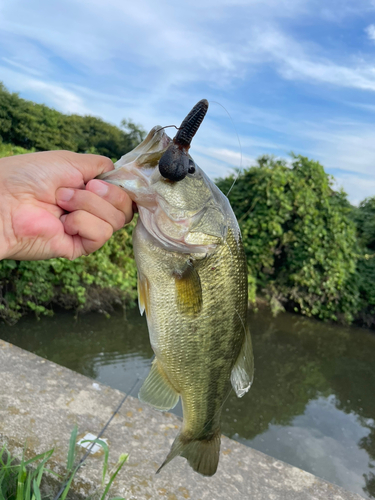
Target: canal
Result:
[312, 403]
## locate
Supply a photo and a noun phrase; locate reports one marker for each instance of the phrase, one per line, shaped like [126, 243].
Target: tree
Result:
[299, 240]
[29, 125]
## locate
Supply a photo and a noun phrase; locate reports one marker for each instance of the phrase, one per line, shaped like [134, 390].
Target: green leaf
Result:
[104, 445]
[121, 463]
[72, 447]
[36, 490]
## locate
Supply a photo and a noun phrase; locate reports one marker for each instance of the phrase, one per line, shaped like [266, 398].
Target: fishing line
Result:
[167, 126]
[99, 435]
[239, 143]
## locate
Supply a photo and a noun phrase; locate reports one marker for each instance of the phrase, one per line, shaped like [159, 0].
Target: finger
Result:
[92, 231]
[114, 195]
[88, 165]
[72, 200]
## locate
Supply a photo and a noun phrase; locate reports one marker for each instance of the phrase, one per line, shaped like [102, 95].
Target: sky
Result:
[281, 76]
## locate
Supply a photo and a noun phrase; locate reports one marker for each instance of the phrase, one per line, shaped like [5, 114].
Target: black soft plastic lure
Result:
[174, 164]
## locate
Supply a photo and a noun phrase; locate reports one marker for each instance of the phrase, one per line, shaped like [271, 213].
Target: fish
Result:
[192, 285]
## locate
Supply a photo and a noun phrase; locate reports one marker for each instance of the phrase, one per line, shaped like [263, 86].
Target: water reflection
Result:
[312, 403]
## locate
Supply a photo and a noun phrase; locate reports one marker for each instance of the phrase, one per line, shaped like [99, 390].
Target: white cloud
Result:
[150, 62]
[350, 148]
[67, 101]
[152, 48]
[236, 158]
[318, 441]
[22, 67]
[49, 93]
[366, 107]
[370, 30]
[357, 188]
[212, 168]
[296, 62]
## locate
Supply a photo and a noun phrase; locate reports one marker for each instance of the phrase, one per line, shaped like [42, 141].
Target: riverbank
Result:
[40, 402]
[311, 401]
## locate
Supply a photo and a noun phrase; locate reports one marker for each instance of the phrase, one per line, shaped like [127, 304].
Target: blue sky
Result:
[295, 75]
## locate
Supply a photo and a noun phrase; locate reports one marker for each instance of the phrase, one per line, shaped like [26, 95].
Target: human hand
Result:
[47, 211]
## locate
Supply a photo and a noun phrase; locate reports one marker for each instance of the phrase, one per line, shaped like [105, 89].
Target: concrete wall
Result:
[40, 402]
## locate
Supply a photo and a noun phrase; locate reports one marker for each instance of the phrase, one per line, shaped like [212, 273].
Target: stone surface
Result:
[40, 402]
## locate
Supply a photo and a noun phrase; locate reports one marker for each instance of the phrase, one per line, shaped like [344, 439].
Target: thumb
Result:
[89, 165]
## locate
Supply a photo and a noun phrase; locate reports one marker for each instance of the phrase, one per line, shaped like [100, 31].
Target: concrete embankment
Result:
[40, 402]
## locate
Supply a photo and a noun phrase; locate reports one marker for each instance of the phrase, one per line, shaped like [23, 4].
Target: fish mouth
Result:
[136, 171]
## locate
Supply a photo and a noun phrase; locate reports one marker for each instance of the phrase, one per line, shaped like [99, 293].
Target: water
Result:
[312, 403]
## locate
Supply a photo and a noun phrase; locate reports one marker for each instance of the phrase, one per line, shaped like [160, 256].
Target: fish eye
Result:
[191, 168]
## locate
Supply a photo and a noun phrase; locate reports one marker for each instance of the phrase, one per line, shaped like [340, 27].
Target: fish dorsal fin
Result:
[157, 391]
[243, 370]
[188, 290]
[143, 294]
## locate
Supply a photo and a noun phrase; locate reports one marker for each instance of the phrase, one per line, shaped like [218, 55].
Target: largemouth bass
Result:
[192, 284]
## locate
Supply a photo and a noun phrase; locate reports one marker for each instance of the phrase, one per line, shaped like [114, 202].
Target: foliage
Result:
[299, 239]
[35, 126]
[94, 282]
[17, 480]
[299, 234]
[11, 150]
[364, 217]
[21, 480]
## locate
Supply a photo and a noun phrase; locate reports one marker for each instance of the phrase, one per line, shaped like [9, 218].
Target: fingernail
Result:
[63, 217]
[65, 194]
[98, 187]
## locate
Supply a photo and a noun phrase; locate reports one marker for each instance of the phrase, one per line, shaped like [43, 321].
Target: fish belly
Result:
[195, 350]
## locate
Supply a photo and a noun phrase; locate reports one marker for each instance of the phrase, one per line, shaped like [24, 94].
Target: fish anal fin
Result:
[202, 454]
[143, 294]
[188, 290]
[157, 391]
[243, 370]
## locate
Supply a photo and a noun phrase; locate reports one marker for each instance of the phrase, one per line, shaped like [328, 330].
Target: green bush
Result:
[11, 150]
[95, 282]
[364, 217]
[298, 236]
[36, 126]
[307, 248]
[26, 479]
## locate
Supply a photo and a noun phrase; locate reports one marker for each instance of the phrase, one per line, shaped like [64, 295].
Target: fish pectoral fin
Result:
[188, 290]
[157, 391]
[143, 294]
[243, 370]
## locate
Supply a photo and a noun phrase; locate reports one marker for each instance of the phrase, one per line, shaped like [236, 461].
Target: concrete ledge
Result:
[40, 402]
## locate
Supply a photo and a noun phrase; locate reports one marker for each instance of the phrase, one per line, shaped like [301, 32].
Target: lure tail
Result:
[202, 454]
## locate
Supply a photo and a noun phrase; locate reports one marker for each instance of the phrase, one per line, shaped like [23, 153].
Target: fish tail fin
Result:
[202, 454]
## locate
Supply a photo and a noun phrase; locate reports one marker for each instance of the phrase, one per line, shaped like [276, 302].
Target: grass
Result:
[21, 480]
